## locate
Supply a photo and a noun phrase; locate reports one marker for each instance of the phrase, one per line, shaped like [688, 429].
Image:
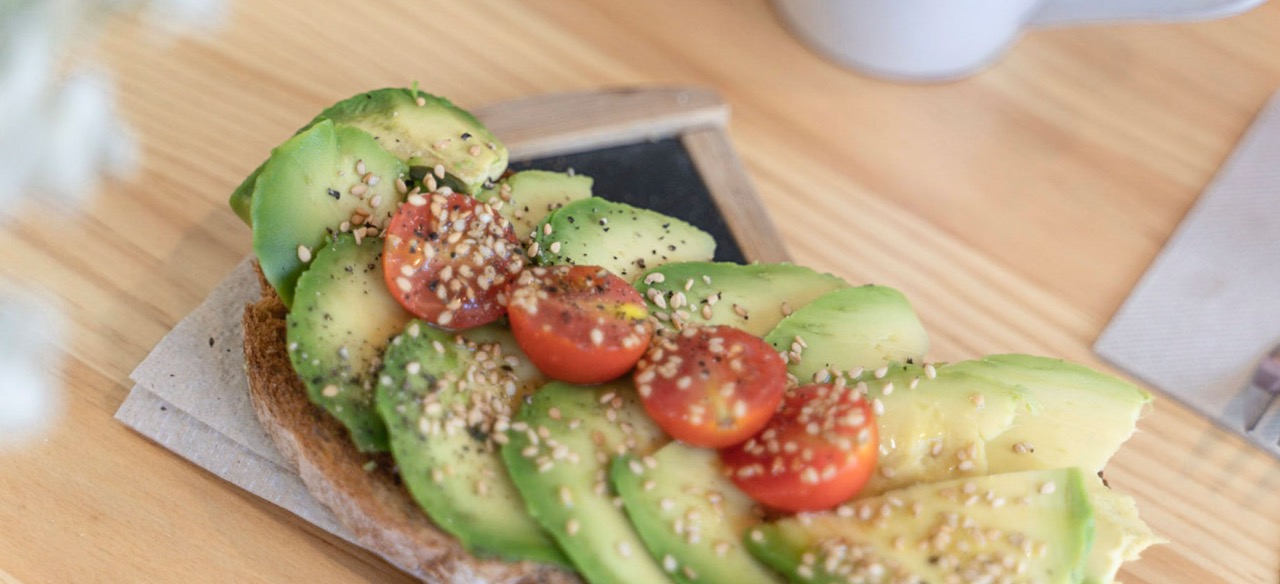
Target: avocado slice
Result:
[425, 134]
[447, 400]
[558, 457]
[310, 188]
[340, 324]
[999, 414]
[426, 130]
[1072, 401]
[623, 239]
[529, 196]
[690, 515]
[752, 297]
[849, 328]
[1120, 535]
[1033, 526]
[934, 426]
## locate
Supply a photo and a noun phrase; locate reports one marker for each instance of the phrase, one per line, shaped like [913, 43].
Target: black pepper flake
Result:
[210, 341]
[335, 194]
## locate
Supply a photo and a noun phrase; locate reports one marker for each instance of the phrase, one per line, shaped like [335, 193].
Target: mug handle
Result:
[1063, 12]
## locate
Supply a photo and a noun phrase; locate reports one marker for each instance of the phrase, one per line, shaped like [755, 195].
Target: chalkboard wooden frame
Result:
[550, 125]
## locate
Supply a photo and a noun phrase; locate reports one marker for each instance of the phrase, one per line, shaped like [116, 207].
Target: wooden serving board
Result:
[657, 148]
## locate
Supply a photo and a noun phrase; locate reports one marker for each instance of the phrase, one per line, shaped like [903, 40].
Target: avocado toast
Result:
[452, 451]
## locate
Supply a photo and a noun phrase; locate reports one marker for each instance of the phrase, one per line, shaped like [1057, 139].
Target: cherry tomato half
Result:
[448, 259]
[580, 324]
[815, 453]
[711, 386]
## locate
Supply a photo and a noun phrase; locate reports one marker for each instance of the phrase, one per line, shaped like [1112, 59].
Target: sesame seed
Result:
[330, 391]
[421, 101]
[304, 254]
[359, 189]
[555, 247]
[930, 371]
[404, 284]
[1048, 488]
[438, 171]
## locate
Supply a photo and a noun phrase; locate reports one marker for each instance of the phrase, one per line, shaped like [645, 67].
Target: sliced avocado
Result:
[623, 239]
[341, 321]
[1033, 526]
[849, 328]
[751, 297]
[434, 133]
[242, 198]
[310, 188]
[529, 196]
[690, 516]
[1120, 535]
[1073, 401]
[426, 130]
[934, 427]
[558, 457]
[448, 400]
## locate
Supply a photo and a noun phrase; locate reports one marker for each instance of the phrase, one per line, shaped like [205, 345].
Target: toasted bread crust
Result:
[372, 504]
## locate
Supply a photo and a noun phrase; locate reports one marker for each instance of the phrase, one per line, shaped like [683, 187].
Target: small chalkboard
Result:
[663, 149]
[658, 175]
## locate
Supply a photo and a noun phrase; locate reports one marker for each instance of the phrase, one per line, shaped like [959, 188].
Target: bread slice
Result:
[371, 503]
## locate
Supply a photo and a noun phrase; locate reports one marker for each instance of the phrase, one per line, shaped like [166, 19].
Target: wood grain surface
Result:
[1015, 208]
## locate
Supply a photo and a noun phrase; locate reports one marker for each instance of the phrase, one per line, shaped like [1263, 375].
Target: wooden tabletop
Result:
[1016, 209]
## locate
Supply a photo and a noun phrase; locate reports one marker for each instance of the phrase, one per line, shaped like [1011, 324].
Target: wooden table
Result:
[1016, 209]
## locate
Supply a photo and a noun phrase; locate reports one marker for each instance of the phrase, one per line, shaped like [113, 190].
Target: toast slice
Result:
[371, 503]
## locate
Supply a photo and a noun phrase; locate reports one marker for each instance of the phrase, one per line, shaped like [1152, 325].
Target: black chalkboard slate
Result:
[656, 174]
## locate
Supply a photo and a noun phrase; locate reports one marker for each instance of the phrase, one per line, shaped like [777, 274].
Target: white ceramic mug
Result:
[937, 40]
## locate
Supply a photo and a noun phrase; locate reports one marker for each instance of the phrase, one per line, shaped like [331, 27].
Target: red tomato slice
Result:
[580, 324]
[711, 386]
[817, 451]
[448, 259]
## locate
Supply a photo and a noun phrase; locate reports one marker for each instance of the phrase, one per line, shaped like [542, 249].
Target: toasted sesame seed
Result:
[438, 171]
[330, 391]
[421, 101]
[359, 189]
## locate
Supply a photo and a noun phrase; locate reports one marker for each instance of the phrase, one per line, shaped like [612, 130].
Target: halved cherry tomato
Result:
[448, 259]
[580, 324]
[817, 451]
[711, 386]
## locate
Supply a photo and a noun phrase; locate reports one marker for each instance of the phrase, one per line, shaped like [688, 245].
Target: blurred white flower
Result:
[59, 134]
[29, 361]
